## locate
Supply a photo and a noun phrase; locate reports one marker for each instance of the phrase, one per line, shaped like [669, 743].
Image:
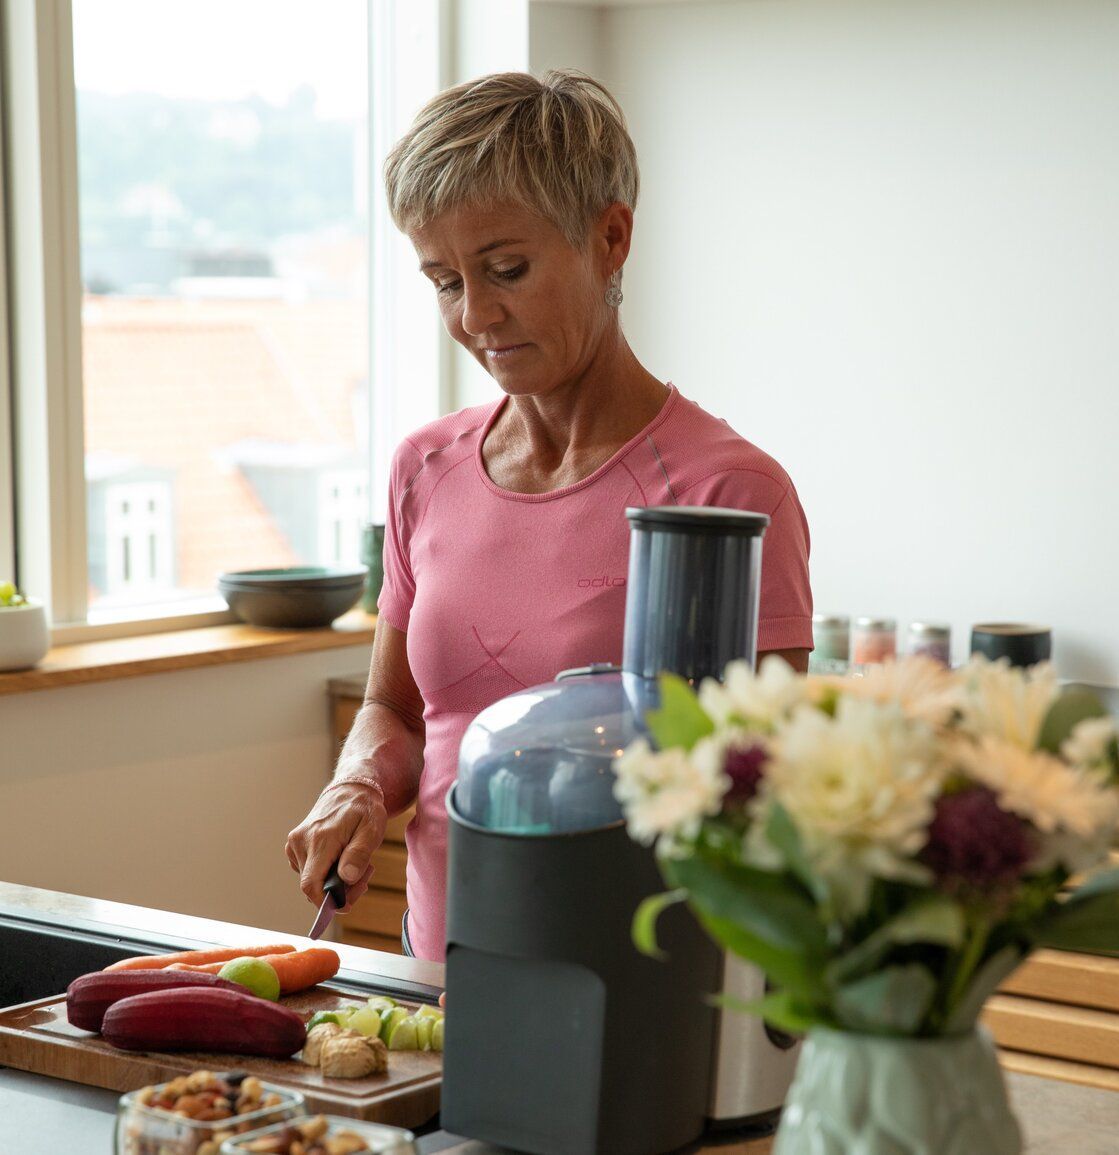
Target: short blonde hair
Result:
[558, 146]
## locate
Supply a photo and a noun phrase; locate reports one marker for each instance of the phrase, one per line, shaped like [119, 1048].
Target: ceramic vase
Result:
[890, 1096]
[24, 635]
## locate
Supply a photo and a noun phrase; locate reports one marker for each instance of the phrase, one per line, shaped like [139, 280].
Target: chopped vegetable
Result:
[297, 969]
[219, 955]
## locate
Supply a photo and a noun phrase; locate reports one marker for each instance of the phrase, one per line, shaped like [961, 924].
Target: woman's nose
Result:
[481, 308]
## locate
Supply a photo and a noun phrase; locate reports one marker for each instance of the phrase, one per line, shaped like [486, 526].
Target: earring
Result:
[614, 290]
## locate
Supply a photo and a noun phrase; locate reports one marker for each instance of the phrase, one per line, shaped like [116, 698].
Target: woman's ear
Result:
[612, 233]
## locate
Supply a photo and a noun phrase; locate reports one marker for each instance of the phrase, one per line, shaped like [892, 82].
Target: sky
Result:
[225, 49]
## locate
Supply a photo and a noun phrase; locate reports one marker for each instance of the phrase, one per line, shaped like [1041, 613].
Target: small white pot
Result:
[24, 635]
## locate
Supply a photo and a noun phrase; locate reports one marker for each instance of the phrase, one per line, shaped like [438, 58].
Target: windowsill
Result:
[108, 660]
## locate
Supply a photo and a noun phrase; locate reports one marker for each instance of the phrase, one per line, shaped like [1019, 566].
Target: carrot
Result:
[304, 968]
[296, 970]
[219, 955]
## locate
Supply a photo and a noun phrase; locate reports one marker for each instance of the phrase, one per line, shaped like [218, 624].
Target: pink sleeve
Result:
[399, 588]
[785, 603]
[785, 613]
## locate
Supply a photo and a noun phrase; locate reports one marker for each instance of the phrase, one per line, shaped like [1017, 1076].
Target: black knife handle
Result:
[335, 887]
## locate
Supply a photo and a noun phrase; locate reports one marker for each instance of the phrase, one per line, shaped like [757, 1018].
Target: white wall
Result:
[489, 36]
[566, 36]
[881, 239]
[174, 790]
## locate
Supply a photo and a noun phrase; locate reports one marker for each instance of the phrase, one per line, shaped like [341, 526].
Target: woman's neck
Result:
[548, 441]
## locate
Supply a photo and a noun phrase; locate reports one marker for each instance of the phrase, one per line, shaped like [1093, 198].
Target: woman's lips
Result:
[504, 352]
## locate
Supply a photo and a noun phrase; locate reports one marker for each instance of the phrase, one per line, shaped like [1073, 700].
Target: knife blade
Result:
[334, 898]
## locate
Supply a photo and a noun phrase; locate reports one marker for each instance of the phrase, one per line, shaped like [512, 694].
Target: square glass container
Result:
[152, 1131]
[378, 1137]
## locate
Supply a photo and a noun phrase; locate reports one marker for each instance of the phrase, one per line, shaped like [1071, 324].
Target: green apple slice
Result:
[390, 1019]
[402, 1035]
[381, 1003]
[437, 1035]
[425, 1011]
[425, 1024]
[366, 1021]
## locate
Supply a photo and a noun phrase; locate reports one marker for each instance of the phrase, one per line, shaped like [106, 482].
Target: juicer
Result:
[565, 1039]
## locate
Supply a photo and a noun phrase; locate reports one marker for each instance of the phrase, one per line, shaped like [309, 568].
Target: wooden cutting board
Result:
[36, 1037]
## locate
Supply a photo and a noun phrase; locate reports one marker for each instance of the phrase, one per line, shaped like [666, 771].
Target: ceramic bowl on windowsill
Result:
[24, 635]
[294, 597]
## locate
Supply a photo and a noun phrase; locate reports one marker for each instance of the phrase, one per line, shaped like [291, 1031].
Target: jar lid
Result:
[831, 621]
[931, 629]
[878, 624]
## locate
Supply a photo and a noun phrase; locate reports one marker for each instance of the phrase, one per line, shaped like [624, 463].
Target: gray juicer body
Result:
[564, 1038]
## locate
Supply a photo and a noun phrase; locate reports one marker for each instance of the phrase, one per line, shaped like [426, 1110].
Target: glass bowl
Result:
[143, 1130]
[378, 1138]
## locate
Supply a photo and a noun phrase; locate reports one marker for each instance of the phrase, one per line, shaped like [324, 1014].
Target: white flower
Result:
[1088, 743]
[1003, 702]
[922, 687]
[758, 700]
[860, 788]
[1041, 788]
[668, 793]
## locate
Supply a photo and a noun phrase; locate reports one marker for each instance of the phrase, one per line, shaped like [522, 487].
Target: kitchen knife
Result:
[334, 898]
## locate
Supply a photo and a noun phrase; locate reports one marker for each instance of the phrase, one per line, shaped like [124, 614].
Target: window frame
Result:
[7, 464]
[43, 533]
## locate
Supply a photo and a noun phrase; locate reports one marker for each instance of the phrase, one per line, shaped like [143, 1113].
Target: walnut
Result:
[312, 1048]
[352, 1058]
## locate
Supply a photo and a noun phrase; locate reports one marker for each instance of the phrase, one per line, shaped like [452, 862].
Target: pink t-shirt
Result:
[500, 590]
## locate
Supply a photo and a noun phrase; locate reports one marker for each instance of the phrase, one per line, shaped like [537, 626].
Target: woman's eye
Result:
[447, 286]
[510, 274]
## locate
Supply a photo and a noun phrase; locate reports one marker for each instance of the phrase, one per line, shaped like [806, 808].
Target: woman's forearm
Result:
[388, 748]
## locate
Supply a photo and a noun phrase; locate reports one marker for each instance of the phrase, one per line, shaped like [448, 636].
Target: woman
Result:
[506, 545]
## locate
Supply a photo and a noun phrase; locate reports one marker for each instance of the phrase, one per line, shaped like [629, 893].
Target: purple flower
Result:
[744, 766]
[974, 843]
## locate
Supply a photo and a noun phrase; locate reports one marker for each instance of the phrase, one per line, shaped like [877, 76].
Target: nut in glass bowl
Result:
[323, 1135]
[194, 1114]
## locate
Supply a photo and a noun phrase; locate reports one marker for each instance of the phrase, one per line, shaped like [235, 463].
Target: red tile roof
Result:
[172, 383]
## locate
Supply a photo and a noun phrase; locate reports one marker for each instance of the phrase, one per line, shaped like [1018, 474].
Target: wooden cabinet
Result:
[1058, 1016]
[375, 920]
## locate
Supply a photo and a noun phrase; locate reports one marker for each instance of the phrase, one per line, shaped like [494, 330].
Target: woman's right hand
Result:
[346, 825]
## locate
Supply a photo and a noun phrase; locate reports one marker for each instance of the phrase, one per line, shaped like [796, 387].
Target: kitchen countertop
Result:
[44, 1116]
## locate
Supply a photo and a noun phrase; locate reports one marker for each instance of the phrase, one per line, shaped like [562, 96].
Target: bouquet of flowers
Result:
[887, 848]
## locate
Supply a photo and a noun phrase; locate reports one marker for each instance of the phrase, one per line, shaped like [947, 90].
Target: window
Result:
[224, 260]
[131, 534]
[184, 300]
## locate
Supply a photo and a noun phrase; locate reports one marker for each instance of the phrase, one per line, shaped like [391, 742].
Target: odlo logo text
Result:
[601, 583]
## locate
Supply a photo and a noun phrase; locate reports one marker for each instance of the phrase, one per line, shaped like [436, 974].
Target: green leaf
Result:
[1071, 708]
[893, 1001]
[987, 978]
[932, 919]
[780, 1009]
[782, 834]
[770, 906]
[1086, 922]
[789, 969]
[644, 928]
[681, 720]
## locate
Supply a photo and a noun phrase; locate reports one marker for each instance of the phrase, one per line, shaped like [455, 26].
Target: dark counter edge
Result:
[152, 931]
